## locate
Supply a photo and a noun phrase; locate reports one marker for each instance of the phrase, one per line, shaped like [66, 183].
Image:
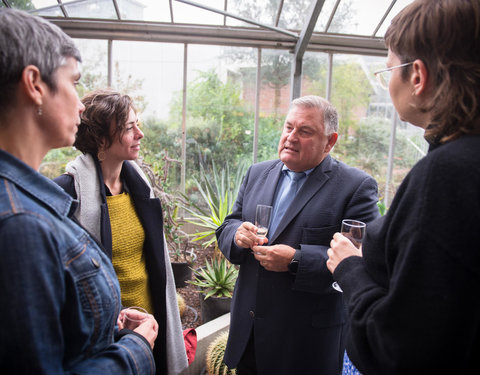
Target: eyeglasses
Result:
[383, 75]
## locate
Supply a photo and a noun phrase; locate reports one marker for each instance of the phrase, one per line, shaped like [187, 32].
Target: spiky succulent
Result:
[216, 278]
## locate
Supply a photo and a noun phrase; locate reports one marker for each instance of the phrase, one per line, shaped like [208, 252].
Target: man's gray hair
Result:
[30, 40]
[330, 115]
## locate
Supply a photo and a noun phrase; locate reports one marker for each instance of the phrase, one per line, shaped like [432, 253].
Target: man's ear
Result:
[332, 139]
[33, 85]
[419, 77]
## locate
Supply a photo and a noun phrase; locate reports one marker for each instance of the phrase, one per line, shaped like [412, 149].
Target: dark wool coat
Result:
[413, 299]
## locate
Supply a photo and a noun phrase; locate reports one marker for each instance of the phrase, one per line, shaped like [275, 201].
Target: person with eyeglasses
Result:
[412, 292]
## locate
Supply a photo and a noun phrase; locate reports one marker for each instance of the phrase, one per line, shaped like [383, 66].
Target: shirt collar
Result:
[307, 172]
[38, 186]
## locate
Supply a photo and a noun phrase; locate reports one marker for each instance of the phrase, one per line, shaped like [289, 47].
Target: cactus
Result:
[182, 306]
[214, 357]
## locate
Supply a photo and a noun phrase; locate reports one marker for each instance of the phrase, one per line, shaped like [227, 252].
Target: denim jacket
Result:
[59, 294]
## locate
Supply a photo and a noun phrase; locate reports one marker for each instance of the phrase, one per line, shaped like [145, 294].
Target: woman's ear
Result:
[33, 85]
[419, 77]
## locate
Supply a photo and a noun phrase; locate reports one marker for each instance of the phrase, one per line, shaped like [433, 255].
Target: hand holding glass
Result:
[262, 219]
[132, 317]
[354, 230]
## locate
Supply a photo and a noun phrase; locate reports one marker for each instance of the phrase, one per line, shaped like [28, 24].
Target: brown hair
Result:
[101, 108]
[445, 35]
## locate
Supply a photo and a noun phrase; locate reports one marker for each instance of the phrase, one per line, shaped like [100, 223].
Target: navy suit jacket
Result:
[298, 320]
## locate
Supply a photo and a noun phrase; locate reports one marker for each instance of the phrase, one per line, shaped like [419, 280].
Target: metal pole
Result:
[328, 93]
[391, 153]
[257, 104]
[184, 120]
[110, 63]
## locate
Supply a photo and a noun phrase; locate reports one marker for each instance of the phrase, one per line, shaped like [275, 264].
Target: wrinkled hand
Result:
[340, 248]
[148, 327]
[246, 236]
[274, 258]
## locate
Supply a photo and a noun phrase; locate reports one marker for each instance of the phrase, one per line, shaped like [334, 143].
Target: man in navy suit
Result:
[286, 317]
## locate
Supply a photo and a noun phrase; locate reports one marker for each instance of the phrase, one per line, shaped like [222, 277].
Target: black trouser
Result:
[247, 364]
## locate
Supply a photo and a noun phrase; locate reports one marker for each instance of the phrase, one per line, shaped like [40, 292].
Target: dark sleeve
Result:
[226, 232]
[313, 275]
[424, 317]
[67, 182]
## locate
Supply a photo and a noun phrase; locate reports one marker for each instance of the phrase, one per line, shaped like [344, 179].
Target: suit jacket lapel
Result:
[265, 184]
[312, 185]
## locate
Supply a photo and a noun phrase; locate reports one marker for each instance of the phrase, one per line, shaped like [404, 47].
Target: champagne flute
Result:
[354, 230]
[262, 219]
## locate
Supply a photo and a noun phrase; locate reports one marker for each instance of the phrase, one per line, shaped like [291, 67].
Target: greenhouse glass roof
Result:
[348, 26]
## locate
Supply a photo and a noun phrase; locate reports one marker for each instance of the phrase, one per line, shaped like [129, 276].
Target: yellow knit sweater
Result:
[128, 237]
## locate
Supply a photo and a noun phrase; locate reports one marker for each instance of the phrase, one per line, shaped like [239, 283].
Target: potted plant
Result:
[218, 192]
[182, 261]
[181, 252]
[215, 283]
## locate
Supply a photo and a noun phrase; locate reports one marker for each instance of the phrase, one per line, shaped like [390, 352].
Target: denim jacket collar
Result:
[40, 187]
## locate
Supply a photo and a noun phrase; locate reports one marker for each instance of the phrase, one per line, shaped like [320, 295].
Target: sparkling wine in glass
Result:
[354, 230]
[262, 219]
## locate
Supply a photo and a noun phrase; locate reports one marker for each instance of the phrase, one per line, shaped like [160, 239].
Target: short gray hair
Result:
[30, 40]
[330, 115]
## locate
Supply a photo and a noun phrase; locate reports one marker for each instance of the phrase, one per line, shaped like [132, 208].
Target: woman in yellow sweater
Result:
[117, 206]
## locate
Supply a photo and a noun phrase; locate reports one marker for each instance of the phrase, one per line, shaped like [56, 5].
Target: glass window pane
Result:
[363, 16]
[151, 73]
[263, 12]
[153, 10]
[92, 9]
[185, 13]
[43, 7]
[314, 77]
[294, 14]
[399, 5]
[274, 100]
[327, 9]
[94, 65]
[220, 111]
[366, 116]
[35, 4]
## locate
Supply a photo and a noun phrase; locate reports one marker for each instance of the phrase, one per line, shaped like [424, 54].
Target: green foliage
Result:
[216, 278]
[218, 191]
[177, 240]
[351, 90]
[382, 207]
[214, 358]
[54, 163]
[219, 124]
[21, 4]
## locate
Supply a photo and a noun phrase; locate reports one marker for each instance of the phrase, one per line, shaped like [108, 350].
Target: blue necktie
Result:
[285, 198]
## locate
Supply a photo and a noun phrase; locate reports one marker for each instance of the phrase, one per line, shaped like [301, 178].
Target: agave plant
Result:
[216, 278]
[219, 197]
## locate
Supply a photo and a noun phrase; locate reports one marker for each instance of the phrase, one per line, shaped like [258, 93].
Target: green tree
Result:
[21, 4]
[351, 90]
[218, 122]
